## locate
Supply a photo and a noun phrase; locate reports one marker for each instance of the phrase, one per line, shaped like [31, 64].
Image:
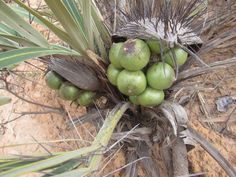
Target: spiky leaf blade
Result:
[13, 20]
[19, 55]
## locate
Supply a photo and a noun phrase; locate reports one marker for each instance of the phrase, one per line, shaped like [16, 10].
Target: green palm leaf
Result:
[13, 20]
[4, 100]
[69, 24]
[19, 55]
[7, 44]
[25, 14]
[50, 162]
[7, 30]
[19, 40]
[56, 30]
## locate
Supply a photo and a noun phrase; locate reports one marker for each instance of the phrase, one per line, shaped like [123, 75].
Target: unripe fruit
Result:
[134, 99]
[155, 46]
[151, 97]
[114, 54]
[134, 55]
[160, 76]
[112, 74]
[86, 98]
[68, 91]
[131, 82]
[181, 57]
[53, 80]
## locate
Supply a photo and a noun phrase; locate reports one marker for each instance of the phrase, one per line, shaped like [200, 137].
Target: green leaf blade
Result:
[68, 166]
[19, 55]
[13, 20]
[56, 30]
[4, 100]
[19, 40]
[69, 24]
[50, 162]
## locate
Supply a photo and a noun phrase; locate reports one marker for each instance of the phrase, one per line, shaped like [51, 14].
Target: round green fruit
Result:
[112, 74]
[131, 82]
[86, 98]
[134, 99]
[181, 57]
[114, 54]
[151, 97]
[53, 80]
[155, 46]
[68, 91]
[134, 54]
[160, 76]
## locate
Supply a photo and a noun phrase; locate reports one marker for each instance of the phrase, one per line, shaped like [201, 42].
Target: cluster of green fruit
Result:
[68, 91]
[128, 65]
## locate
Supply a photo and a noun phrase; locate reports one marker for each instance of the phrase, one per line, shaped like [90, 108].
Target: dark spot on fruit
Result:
[129, 47]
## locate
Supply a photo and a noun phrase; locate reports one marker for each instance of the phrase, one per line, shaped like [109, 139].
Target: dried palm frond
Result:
[77, 73]
[171, 21]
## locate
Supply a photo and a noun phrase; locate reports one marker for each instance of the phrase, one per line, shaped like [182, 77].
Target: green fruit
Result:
[155, 46]
[86, 98]
[114, 54]
[53, 80]
[131, 82]
[160, 76]
[134, 55]
[112, 74]
[134, 99]
[68, 91]
[151, 97]
[181, 57]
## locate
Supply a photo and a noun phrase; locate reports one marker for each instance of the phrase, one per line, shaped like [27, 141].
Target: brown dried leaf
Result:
[193, 72]
[175, 114]
[77, 73]
[149, 164]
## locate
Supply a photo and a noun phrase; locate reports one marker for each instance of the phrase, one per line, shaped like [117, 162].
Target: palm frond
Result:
[12, 19]
[18, 55]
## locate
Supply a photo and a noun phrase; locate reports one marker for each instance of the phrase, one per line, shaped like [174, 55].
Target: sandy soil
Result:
[210, 123]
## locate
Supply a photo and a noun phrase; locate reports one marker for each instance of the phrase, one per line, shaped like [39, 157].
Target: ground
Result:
[32, 130]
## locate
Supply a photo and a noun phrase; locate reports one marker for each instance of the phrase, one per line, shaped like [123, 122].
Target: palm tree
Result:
[86, 30]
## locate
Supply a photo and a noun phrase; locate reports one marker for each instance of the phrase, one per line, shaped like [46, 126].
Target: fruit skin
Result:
[160, 76]
[53, 80]
[86, 98]
[181, 57]
[134, 54]
[131, 82]
[114, 56]
[68, 91]
[155, 46]
[134, 99]
[151, 97]
[112, 74]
